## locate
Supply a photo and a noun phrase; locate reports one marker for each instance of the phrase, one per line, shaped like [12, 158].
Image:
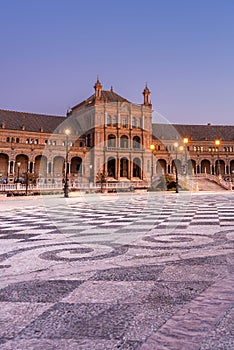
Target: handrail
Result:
[217, 179]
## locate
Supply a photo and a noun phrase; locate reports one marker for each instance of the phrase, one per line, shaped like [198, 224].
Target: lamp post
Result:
[176, 169]
[185, 141]
[152, 148]
[18, 174]
[67, 132]
[26, 180]
[217, 144]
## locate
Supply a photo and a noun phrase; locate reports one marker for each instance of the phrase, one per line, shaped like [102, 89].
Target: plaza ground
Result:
[117, 271]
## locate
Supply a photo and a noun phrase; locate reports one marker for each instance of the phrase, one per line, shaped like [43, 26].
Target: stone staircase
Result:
[205, 184]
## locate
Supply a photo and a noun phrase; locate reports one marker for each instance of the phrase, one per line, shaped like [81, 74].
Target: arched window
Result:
[111, 141]
[133, 122]
[139, 123]
[124, 122]
[17, 140]
[8, 139]
[108, 120]
[124, 142]
[136, 142]
[114, 120]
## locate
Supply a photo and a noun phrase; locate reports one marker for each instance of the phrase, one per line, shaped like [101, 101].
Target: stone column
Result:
[9, 167]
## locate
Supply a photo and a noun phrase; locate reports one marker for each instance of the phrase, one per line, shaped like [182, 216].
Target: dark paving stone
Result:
[19, 236]
[139, 273]
[74, 321]
[175, 293]
[38, 291]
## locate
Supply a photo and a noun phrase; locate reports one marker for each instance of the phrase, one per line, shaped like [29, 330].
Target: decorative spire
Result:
[111, 89]
[146, 94]
[98, 89]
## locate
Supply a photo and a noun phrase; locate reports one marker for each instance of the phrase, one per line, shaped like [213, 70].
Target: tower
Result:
[146, 94]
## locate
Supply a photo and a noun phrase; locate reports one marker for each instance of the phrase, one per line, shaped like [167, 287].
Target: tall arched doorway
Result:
[58, 170]
[136, 142]
[111, 141]
[136, 168]
[124, 141]
[21, 167]
[205, 166]
[191, 167]
[40, 168]
[124, 167]
[161, 167]
[76, 166]
[3, 167]
[219, 167]
[111, 167]
[176, 163]
[232, 169]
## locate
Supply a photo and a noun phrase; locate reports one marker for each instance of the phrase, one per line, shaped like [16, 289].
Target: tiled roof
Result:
[106, 96]
[33, 122]
[193, 132]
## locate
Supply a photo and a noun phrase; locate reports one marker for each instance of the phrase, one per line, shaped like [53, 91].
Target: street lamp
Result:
[176, 169]
[18, 164]
[185, 141]
[152, 148]
[217, 144]
[67, 132]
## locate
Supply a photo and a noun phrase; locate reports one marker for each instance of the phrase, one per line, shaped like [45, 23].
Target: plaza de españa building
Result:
[107, 136]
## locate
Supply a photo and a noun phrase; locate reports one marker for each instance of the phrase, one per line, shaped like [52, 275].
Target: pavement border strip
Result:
[190, 325]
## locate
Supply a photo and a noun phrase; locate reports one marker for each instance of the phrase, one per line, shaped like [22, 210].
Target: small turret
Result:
[146, 94]
[98, 89]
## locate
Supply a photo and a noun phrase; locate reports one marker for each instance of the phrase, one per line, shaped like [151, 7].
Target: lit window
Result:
[139, 122]
[108, 120]
[114, 121]
[124, 122]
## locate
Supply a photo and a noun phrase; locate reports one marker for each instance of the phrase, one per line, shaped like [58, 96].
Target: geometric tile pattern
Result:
[118, 273]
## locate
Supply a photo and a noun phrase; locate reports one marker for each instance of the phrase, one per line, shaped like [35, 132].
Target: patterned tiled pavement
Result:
[126, 271]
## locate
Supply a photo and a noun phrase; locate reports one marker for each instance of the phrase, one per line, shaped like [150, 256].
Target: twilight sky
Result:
[52, 50]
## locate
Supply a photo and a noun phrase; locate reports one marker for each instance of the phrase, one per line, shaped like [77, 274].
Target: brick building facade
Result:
[112, 136]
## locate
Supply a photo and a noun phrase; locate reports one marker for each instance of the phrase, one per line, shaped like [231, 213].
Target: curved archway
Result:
[205, 166]
[136, 168]
[3, 167]
[124, 167]
[21, 167]
[58, 169]
[111, 140]
[219, 167]
[176, 162]
[124, 141]
[191, 167]
[40, 168]
[161, 167]
[232, 169]
[136, 142]
[111, 167]
[76, 166]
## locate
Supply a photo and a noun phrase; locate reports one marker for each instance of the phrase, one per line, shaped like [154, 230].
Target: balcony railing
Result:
[132, 149]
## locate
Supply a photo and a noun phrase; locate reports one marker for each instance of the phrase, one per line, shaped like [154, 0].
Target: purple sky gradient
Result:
[52, 51]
